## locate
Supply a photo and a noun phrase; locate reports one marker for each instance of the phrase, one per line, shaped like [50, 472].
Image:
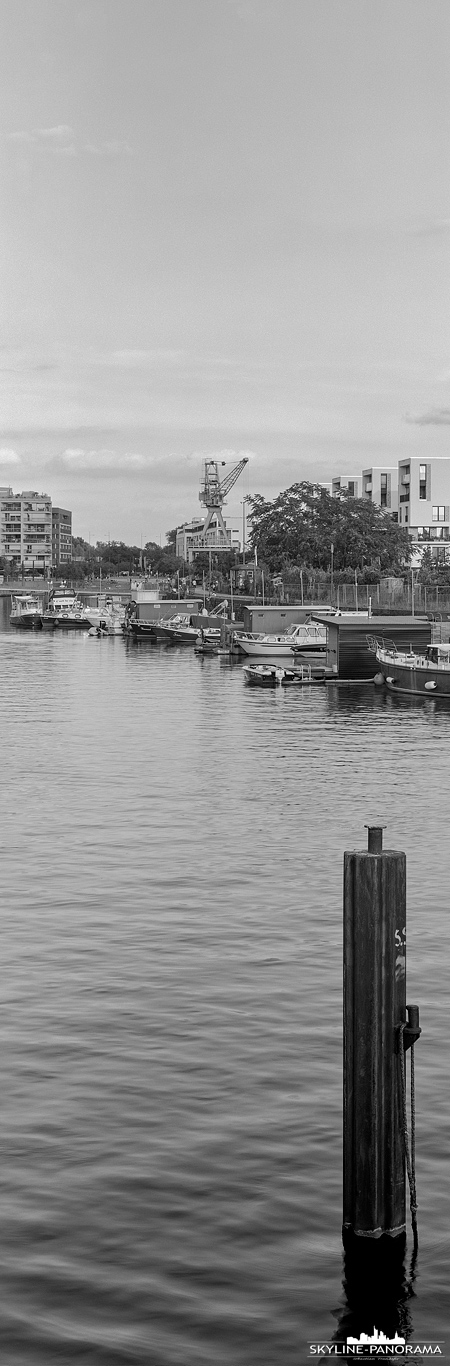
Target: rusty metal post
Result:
[374, 1006]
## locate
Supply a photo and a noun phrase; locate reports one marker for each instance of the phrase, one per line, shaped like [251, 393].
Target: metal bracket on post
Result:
[412, 1030]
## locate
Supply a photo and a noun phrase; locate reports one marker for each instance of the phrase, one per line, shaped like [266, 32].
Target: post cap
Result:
[375, 838]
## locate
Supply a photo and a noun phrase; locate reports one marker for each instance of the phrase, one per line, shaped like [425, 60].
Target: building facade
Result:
[424, 505]
[346, 483]
[191, 538]
[61, 536]
[416, 493]
[380, 486]
[26, 529]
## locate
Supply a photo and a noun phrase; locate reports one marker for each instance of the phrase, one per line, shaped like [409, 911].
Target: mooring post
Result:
[374, 1007]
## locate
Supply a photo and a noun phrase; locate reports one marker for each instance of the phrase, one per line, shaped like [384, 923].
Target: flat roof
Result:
[371, 625]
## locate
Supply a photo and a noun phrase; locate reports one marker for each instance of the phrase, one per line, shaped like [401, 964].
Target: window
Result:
[383, 490]
[439, 514]
[422, 481]
[351, 487]
[406, 514]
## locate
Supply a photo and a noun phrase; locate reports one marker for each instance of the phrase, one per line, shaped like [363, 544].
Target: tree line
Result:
[304, 527]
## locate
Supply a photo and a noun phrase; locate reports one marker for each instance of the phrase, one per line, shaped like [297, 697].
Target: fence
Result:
[390, 595]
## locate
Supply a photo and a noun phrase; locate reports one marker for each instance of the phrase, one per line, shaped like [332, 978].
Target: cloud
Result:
[76, 461]
[435, 417]
[61, 141]
[118, 147]
[58, 139]
[8, 457]
[173, 468]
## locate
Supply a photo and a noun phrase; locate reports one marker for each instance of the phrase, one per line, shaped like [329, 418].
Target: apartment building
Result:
[346, 483]
[380, 486]
[192, 538]
[424, 504]
[26, 529]
[61, 536]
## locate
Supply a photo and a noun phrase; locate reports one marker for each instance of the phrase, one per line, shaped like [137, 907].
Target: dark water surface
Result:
[171, 1000]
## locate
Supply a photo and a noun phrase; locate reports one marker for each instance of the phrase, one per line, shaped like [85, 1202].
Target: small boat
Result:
[65, 611]
[112, 613]
[306, 636]
[276, 676]
[419, 674]
[26, 612]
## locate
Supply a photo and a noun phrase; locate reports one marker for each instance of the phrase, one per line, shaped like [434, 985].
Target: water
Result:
[171, 1000]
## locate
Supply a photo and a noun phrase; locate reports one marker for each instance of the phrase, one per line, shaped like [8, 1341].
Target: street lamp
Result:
[246, 499]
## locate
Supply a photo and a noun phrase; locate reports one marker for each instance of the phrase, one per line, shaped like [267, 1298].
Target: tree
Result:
[162, 559]
[302, 523]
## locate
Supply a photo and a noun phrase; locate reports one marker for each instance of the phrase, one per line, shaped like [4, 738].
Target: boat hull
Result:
[417, 679]
[27, 621]
[64, 622]
[142, 630]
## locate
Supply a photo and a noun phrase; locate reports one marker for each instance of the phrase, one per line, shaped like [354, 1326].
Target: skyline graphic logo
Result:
[375, 1344]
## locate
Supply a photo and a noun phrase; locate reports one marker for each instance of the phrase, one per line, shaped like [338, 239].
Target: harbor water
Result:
[171, 1002]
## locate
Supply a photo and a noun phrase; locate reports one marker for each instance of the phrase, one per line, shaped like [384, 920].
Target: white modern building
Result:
[346, 483]
[26, 529]
[416, 493]
[380, 486]
[424, 504]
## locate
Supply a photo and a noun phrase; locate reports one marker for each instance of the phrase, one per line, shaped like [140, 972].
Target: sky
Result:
[224, 231]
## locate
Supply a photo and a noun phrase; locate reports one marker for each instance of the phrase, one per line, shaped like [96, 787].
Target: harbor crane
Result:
[213, 493]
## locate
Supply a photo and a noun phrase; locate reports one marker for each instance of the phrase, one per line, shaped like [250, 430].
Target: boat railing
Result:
[376, 643]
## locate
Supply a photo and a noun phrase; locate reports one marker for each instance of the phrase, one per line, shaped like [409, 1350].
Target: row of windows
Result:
[431, 533]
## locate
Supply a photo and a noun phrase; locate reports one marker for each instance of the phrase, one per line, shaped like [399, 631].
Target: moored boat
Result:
[421, 674]
[306, 636]
[26, 612]
[276, 676]
[65, 610]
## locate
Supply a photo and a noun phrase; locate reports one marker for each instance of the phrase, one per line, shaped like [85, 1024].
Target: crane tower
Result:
[213, 493]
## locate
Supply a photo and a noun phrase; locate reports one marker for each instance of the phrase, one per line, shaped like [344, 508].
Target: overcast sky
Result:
[225, 228]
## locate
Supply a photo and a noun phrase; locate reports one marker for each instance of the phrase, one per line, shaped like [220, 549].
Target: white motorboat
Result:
[65, 610]
[307, 636]
[111, 616]
[26, 612]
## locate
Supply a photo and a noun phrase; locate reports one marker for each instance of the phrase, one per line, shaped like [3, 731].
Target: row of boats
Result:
[302, 648]
[65, 610]
[309, 637]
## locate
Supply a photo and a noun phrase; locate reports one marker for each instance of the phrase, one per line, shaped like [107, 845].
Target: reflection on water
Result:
[378, 1288]
[171, 1003]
